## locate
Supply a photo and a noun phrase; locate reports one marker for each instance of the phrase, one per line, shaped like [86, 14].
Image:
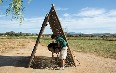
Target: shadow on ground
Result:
[39, 62]
[17, 61]
[43, 62]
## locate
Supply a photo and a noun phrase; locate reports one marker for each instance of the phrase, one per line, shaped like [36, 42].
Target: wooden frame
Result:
[56, 27]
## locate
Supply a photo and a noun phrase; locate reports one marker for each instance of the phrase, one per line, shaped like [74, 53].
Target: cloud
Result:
[61, 9]
[1, 15]
[90, 12]
[112, 13]
[91, 20]
[66, 14]
[87, 20]
[28, 25]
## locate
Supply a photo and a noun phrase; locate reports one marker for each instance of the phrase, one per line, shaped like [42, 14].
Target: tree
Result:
[15, 9]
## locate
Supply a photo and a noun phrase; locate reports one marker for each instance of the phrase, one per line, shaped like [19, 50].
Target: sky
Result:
[79, 16]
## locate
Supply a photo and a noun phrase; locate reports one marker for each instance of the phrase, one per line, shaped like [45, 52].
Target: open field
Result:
[97, 46]
[8, 43]
[93, 45]
[15, 53]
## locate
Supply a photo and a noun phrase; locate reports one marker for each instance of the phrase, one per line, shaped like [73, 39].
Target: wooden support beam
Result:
[38, 38]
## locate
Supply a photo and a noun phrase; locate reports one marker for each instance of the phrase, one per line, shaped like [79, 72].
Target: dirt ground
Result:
[14, 61]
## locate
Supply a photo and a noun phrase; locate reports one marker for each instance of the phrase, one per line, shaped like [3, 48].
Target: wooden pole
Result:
[38, 38]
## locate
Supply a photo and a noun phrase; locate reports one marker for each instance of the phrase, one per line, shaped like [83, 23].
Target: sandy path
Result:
[11, 62]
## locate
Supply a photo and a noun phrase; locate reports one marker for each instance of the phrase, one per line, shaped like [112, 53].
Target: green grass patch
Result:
[99, 47]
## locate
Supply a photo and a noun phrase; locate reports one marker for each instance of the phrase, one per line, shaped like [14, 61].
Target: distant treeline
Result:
[12, 33]
[92, 35]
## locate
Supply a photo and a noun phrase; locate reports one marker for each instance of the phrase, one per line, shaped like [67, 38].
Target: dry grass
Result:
[100, 47]
[7, 44]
